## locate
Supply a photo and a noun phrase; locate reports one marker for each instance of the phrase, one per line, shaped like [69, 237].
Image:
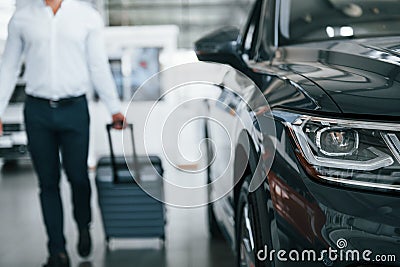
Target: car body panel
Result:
[358, 78]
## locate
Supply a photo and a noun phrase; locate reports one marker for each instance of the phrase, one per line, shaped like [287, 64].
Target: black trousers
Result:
[55, 130]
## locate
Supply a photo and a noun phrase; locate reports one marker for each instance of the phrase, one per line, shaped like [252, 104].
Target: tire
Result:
[248, 235]
[213, 227]
[10, 164]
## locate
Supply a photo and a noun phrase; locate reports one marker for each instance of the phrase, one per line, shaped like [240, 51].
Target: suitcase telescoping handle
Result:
[136, 166]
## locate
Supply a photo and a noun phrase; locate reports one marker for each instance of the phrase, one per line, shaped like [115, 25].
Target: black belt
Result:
[56, 103]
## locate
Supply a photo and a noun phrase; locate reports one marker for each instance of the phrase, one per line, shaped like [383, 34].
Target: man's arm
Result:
[10, 66]
[101, 73]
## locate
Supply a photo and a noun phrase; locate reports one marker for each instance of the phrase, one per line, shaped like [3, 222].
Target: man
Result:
[64, 55]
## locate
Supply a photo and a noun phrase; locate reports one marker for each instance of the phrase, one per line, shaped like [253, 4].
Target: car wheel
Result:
[214, 229]
[248, 238]
[10, 163]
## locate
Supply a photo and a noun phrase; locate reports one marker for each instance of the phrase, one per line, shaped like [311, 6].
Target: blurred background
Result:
[142, 38]
[193, 17]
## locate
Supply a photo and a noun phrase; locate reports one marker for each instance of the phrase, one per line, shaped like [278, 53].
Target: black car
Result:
[330, 165]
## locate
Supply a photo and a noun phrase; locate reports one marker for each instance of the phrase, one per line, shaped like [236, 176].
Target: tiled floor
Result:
[23, 240]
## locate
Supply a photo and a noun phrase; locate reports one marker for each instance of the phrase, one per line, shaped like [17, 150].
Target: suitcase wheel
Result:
[162, 242]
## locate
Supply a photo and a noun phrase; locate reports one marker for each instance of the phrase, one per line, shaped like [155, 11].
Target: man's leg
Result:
[74, 153]
[43, 147]
[74, 139]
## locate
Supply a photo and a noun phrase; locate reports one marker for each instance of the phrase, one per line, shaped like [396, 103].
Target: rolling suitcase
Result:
[127, 210]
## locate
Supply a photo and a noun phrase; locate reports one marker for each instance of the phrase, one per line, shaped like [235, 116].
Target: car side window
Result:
[251, 33]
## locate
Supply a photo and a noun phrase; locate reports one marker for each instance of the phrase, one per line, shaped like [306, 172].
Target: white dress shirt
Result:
[64, 54]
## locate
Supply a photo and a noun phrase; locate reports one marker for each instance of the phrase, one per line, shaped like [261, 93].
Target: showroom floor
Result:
[23, 240]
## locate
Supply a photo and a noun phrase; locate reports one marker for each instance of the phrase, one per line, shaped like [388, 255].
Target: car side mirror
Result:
[221, 46]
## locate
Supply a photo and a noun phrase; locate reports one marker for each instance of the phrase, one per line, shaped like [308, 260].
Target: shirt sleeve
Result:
[10, 64]
[99, 67]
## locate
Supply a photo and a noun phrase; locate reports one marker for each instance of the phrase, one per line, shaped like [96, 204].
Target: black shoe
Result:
[85, 243]
[59, 260]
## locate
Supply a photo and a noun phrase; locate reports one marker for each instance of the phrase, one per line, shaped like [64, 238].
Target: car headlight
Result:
[346, 151]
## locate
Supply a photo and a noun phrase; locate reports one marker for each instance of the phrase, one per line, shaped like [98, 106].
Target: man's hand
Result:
[119, 121]
[1, 128]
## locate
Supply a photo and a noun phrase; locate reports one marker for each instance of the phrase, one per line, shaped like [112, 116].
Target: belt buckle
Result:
[53, 104]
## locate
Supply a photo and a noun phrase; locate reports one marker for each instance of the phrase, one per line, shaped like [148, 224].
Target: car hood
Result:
[362, 77]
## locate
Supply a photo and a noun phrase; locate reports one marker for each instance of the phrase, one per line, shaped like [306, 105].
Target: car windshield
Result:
[316, 20]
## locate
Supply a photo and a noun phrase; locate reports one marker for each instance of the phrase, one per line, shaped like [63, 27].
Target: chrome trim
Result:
[393, 143]
[359, 183]
[393, 127]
